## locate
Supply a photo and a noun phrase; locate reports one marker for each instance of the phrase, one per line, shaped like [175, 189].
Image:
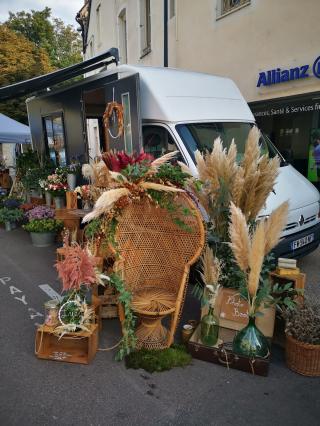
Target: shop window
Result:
[145, 27]
[158, 141]
[55, 139]
[224, 7]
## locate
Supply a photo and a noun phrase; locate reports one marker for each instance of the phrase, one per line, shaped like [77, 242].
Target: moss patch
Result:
[159, 360]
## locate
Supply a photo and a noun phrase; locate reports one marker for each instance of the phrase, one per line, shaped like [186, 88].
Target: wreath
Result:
[114, 107]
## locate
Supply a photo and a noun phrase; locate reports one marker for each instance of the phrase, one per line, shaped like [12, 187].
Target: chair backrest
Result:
[158, 252]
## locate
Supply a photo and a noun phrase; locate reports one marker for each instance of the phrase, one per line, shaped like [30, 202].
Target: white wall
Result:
[264, 35]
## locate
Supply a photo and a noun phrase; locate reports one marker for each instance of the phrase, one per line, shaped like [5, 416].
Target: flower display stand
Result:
[222, 353]
[79, 347]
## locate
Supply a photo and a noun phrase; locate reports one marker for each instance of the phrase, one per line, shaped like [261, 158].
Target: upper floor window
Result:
[98, 23]
[123, 48]
[145, 27]
[227, 6]
[172, 9]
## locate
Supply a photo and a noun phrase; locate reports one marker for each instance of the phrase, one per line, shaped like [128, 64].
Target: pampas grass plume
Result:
[239, 237]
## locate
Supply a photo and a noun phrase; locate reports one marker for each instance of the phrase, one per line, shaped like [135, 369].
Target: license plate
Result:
[302, 242]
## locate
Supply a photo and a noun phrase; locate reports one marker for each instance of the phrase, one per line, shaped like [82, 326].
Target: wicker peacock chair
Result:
[156, 255]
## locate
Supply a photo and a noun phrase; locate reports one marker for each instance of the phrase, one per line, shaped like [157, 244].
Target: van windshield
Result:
[200, 136]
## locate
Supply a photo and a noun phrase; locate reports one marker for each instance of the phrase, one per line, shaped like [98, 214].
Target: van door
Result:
[125, 91]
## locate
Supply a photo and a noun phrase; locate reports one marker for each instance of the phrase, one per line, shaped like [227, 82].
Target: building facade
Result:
[270, 48]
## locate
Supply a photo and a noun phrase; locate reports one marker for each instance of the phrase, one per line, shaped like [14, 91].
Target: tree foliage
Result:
[32, 44]
[20, 59]
[61, 42]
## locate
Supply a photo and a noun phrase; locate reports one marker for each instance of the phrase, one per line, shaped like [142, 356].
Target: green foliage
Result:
[128, 337]
[10, 215]
[159, 360]
[44, 225]
[172, 173]
[61, 42]
[31, 167]
[135, 172]
[20, 59]
[93, 229]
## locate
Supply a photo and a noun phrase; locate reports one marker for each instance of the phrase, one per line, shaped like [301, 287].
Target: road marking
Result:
[50, 292]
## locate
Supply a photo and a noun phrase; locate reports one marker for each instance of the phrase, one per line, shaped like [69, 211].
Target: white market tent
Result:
[11, 131]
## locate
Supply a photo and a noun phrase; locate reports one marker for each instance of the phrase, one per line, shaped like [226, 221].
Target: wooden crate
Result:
[108, 300]
[79, 347]
[224, 356]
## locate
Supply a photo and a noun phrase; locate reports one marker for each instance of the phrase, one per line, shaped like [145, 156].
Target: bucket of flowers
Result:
[10, 213]
[57, 185]
[42, 226]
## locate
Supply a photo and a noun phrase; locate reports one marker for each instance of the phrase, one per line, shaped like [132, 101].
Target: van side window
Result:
[158, 141]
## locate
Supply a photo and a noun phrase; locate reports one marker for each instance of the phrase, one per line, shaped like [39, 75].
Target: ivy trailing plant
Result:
[128, 340]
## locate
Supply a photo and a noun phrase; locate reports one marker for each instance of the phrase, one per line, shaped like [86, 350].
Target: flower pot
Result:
[72, 181]
[9, 226]
[250, 342]
[59, 202]
[302, 358]
[48, 198]
[42, 239]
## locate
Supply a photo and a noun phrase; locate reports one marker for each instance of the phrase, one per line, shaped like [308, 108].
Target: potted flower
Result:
[77, 271]
[10, 216]
[303, 338]
[43, 231]
[72, 171]
[57, 186]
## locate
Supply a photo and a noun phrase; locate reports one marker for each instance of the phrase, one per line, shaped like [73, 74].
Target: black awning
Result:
[42, 82]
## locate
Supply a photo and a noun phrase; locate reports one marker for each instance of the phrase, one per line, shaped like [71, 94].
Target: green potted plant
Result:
[10, 216]
[303, 338]
[43, 231]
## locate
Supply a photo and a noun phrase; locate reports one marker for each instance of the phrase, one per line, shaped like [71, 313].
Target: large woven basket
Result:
[302, 358]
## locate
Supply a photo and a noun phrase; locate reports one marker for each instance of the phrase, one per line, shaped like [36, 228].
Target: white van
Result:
[186, 111]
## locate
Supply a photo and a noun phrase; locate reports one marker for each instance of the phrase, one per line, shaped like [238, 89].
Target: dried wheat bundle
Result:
[250, 250]
[101, 175]
[239, 237]
[248, 183]
[105, 203]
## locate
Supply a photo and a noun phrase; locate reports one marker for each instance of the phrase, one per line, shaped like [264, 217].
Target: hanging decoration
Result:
[114, 111]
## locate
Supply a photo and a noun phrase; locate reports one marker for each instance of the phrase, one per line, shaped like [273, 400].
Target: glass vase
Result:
[250, 342]
[209, 328]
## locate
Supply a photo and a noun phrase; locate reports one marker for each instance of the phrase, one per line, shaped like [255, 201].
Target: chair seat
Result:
[154, 301]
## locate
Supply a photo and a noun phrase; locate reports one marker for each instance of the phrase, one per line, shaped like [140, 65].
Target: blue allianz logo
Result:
[278, 75]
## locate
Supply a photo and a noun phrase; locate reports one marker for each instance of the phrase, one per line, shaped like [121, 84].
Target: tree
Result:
[20, 59]
[62, 42]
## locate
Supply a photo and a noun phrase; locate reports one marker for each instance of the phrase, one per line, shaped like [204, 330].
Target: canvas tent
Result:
[12, 131]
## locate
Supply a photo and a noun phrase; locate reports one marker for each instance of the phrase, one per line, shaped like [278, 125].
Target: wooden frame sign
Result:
[233, 309]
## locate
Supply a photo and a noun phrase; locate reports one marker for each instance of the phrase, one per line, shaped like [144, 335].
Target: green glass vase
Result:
[209, 328]
[250, 342]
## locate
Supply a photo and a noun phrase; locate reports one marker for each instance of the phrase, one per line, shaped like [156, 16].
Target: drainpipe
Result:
[165, 33]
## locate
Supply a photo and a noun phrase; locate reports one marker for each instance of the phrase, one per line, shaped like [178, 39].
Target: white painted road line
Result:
[50, 292]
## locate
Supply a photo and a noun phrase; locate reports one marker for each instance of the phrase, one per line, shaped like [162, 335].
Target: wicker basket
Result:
[302, 358]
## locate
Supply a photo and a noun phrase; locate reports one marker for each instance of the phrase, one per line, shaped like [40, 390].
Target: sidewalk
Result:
[35, 392]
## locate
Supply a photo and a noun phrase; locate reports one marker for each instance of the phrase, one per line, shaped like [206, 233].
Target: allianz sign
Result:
[278, 75]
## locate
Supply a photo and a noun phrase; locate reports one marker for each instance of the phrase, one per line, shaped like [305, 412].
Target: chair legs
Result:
[151, 334]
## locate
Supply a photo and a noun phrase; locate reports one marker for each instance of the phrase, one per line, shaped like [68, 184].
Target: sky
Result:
[63, 9]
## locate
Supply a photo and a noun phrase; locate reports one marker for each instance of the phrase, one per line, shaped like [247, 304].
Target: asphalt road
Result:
[37, 392]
